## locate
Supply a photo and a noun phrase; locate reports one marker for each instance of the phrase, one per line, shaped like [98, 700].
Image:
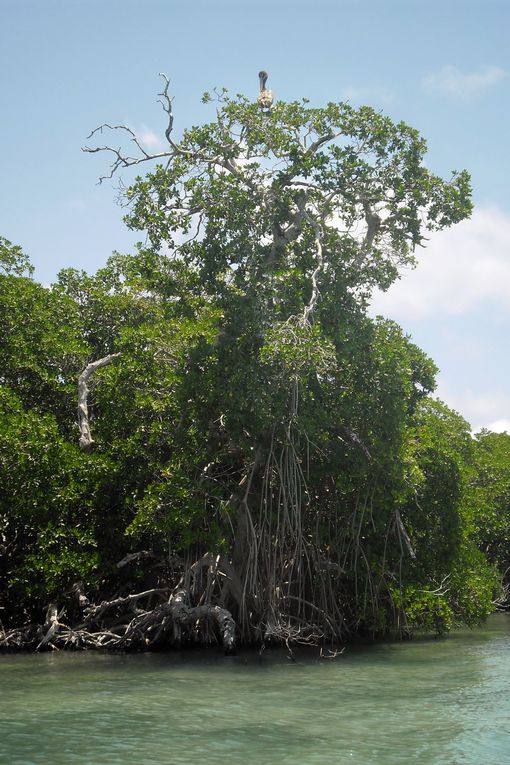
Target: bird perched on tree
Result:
[265, 98]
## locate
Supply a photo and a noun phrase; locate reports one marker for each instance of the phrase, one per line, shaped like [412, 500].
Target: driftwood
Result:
[18, 638]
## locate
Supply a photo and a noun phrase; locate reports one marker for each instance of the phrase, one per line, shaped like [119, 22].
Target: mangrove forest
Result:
[211, 439]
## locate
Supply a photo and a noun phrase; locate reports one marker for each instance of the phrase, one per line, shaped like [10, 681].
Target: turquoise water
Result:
[426, 701]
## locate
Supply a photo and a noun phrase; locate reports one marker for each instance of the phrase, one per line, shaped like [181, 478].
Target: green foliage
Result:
[106, 304]
[490, 495]
[13, 260]
[45, 519]
[448, 569]
[425, 609]
[42, 348]
[247, 171]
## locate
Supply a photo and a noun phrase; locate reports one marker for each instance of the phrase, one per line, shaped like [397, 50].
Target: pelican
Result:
[265, 98]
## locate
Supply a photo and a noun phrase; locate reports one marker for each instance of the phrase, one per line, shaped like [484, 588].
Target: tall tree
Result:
[274, 408]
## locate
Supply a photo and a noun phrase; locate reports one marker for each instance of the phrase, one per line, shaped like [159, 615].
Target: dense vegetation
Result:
[262, 446]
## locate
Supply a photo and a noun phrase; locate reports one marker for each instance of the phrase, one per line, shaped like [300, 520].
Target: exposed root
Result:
[155, 618]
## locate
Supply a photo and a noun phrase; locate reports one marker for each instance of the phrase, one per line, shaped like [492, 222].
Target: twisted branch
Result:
[86, 439]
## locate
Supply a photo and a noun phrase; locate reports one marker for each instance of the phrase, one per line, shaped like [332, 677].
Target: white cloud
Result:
[452, 82]
[499, 426]
[149, 139]
[461, 269]
[489, 409]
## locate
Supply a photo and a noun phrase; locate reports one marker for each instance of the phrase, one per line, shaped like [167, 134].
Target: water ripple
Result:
[443, 702]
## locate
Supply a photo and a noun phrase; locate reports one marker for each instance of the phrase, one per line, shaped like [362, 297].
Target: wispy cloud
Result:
[462, 269]
[149, 139]
[451, 81]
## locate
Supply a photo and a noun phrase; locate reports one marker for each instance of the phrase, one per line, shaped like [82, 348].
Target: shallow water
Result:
[440, 702]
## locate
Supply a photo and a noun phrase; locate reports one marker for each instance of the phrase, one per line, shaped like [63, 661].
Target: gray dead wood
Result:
[51, 627]
[86, 439]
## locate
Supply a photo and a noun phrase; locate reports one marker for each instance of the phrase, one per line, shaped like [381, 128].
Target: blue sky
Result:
[443, 67]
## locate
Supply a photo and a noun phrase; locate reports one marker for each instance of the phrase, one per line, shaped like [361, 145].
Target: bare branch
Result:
[281, 237]
[403, 535]
[86, 440]
[166, 103]
[320, 141]
[120, 159]
[373, 225]
[133, 135]
[95, 613]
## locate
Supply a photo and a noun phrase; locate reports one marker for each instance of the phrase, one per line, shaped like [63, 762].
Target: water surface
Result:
[433, 702]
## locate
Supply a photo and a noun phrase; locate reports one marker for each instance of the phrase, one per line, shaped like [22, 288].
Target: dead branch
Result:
[86, 440]
[403, 535]
[136, 556]
[166, 103]
[77, 590]
[355, 439]
[50, 627]
[95, 613]
[374, 227]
